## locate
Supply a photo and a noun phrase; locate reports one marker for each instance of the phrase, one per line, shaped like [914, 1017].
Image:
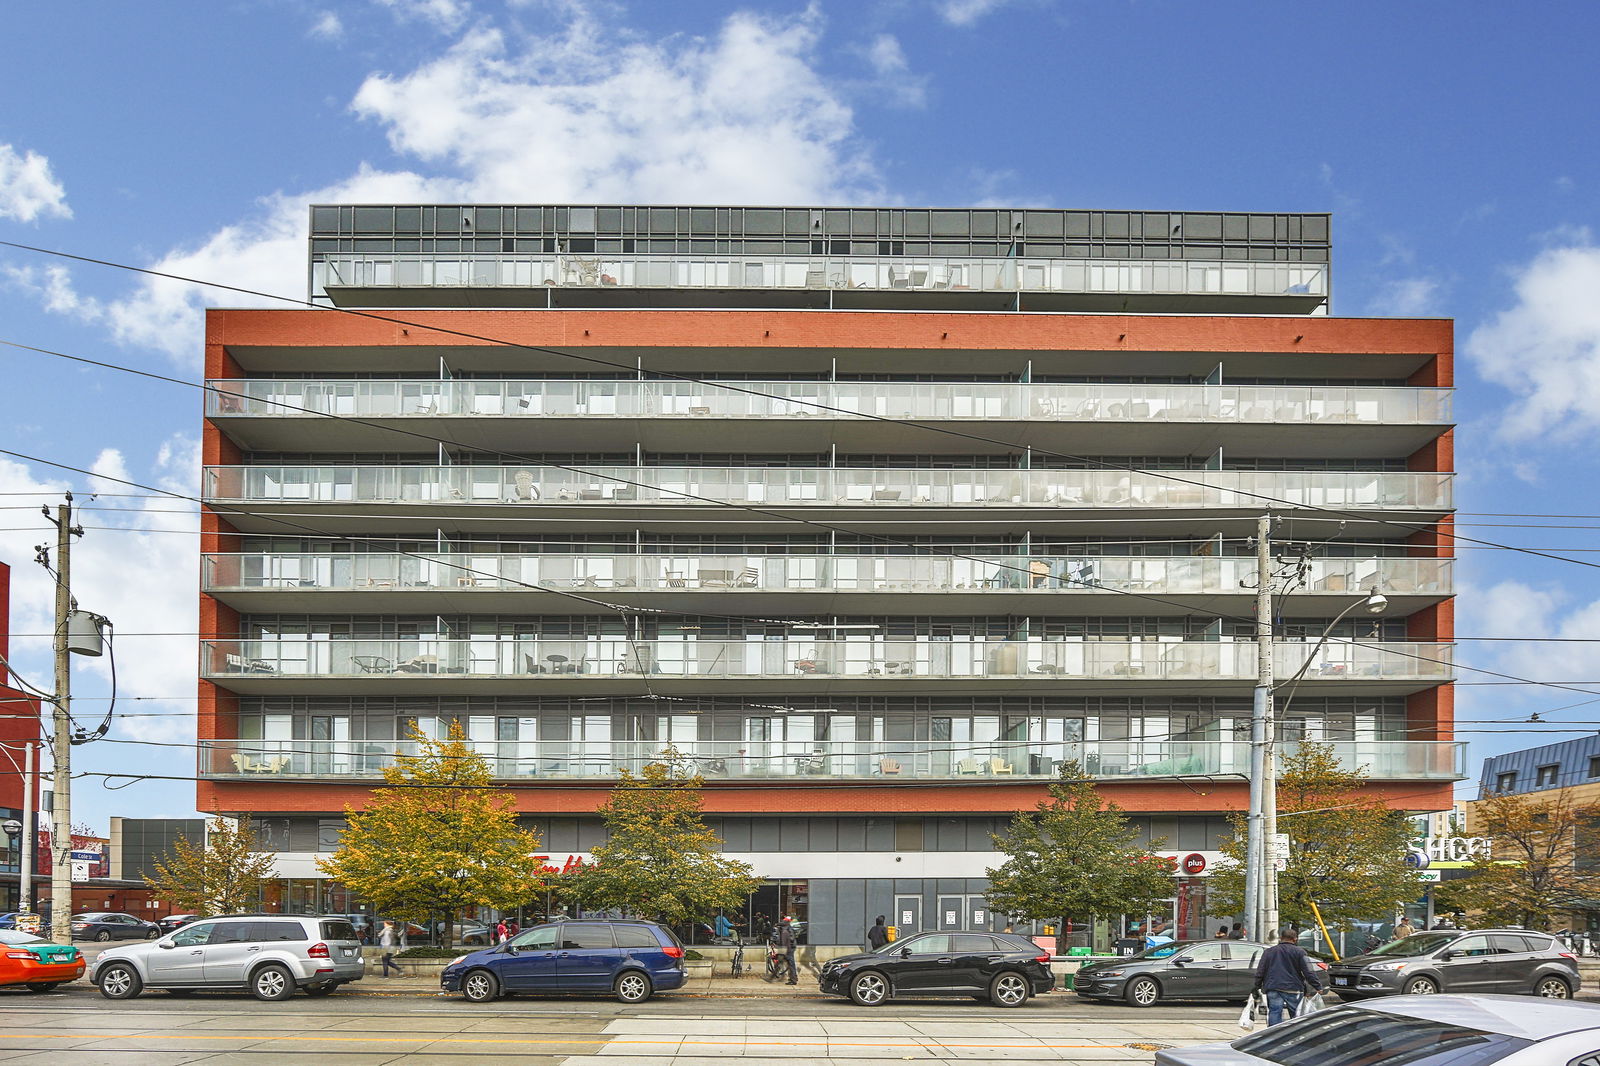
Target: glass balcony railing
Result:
[470, 398]
[851, 272]
[868, 659]
[883, 761]
[824, 487]
[806, 573]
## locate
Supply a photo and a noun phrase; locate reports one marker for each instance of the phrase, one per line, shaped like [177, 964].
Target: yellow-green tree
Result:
[1537, 869]
[660, 859]
[1346, 847]
[1076, 856]
[221, 874]
[437, 839]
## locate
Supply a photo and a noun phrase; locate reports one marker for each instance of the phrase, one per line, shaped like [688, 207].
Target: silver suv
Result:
[269, 954]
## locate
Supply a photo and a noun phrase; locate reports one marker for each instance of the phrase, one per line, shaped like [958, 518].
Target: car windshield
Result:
[1355, 1035]
[1162, 951]
[1420, 944]
[17, 936]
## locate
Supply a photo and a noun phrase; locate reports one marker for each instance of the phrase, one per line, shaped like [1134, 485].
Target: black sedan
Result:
[1003, 968]
[1187, 969]
[103, 925]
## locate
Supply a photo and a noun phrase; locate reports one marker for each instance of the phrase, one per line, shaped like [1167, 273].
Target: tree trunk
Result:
[1063, 934]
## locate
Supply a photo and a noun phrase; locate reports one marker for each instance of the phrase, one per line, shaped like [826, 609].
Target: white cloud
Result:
[1518, 609]
[966, 12]
[446, 14]
[328, 27]
[1407, 297]
[587, 114]
[892, 76]
[1545, 349]
[28, 190]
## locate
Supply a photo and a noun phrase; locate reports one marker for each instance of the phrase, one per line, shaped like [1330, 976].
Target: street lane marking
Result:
[453, 1039]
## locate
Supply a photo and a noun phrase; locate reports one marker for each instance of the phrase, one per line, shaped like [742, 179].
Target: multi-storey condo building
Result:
[877, 515]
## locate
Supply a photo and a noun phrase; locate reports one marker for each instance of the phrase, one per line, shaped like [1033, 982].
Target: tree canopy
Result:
[1076, 856]
[660, 860]
[1535, 871]
[437, 838]
[221, 874]
[1347, 847]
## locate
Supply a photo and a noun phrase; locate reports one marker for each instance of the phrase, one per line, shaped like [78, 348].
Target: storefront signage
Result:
[1194, 864]
[1456, 849]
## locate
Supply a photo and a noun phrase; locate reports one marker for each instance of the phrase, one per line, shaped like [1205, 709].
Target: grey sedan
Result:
[1416, 1031]
[1187, 969]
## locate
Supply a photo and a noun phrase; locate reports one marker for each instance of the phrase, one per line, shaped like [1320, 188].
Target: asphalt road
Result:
[375, 1022]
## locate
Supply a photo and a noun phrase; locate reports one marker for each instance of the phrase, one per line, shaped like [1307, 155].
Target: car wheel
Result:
[151, 934]
[1548, 987]
[1008, 990]
[869, 989]
[103, 935]
[480, 986]
[120, 981]
[322, 990]
[272, 983]
[1142, 992]
[632, 987]
[42, 986]
[1421, 986]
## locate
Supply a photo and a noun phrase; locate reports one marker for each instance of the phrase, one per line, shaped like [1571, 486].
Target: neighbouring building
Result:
[878, 515]
[19, 730]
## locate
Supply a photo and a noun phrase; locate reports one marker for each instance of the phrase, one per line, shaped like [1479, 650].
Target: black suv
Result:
[1513, 961]
[1004, 968]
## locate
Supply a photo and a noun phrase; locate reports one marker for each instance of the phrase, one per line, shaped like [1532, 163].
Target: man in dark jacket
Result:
[786, 943]
[1285, 971]
[878, 935]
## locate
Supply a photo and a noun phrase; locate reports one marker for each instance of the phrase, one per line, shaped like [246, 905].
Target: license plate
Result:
[1341, 981]
[349, 953]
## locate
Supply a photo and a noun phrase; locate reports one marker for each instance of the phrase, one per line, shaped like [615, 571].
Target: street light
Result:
[1261, 872]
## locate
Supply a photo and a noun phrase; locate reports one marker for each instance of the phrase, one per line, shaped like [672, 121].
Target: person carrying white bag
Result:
[1284, 972]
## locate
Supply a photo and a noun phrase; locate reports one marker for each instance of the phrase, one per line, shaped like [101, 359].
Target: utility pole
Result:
[61, 736]
[30, 835]
[1261, 882]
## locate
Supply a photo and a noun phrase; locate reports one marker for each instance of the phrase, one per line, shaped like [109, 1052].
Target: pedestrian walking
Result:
[512, 928]
[1404, 929]
[388, 940]
[501, 934]
[1222, 932]
[1284, 973]
[1237, 932]
[878, 935]
[722, 927]
[786, 943]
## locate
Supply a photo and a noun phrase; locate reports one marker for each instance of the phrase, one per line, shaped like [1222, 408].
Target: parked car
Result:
[175, 921]
[1513, 961]
[632, 960]
[1004, 968]
[37, 963]
[104, 925]
[1417, 1031]
[1184, 969]
[270, 955]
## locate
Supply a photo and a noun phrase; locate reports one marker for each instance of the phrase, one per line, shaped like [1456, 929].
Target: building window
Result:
[1506, 782]
[1545, 776]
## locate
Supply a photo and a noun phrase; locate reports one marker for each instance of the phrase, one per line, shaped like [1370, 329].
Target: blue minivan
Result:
[631, 960]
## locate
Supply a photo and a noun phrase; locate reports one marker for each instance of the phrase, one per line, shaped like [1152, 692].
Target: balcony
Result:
[791, 584]
[881, 762]
[438, 279]
[269, 414]
[607, 489]
[608, 665]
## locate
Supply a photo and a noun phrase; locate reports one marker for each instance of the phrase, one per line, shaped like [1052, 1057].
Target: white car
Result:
[270, 955]
[1418, 1031]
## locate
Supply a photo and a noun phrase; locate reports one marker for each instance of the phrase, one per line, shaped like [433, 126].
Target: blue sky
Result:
[1453, 143]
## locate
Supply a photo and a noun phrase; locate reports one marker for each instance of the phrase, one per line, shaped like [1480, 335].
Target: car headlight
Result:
[459, 959]
[1105, 973]
[1388, 967]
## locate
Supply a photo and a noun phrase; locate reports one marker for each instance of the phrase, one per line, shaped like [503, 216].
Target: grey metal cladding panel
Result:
[794, 834]
[736, 834]
[764, 834]
[823, 911]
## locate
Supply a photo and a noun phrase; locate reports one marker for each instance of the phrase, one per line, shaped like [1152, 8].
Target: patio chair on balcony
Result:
[373, 664]
[522, 488]
[244, 765]
[419, 664]
[888, 766]
[997, 765]
[898, 280]
[967, 766]
[748, 578]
